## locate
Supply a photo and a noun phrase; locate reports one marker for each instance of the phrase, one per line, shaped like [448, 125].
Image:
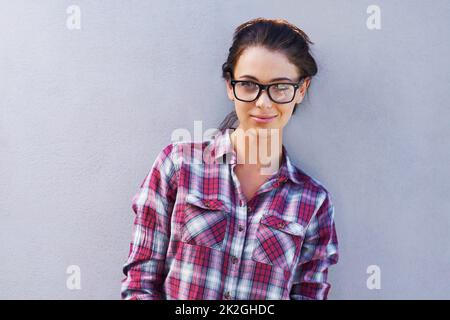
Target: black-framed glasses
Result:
[248, 91]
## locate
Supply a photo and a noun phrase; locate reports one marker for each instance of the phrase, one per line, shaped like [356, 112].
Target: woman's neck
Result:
[258, 149]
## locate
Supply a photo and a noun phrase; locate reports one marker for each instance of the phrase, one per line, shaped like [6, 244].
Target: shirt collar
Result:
[222, 148]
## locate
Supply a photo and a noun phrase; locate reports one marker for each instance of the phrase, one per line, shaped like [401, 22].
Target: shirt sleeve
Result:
[319, 251]
[152, 205]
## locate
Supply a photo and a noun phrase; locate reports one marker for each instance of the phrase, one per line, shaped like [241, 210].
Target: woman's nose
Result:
[264, 100]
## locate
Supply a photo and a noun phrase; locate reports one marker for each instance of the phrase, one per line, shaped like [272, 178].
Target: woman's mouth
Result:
[264, 119]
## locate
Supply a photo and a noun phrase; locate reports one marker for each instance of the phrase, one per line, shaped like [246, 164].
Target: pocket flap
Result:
[208, 204]
[290, 227]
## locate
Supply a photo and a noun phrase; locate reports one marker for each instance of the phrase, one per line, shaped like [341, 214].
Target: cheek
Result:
[241, 108]
[286, 114]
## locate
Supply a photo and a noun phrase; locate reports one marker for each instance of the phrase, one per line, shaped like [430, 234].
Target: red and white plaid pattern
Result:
[196, 237]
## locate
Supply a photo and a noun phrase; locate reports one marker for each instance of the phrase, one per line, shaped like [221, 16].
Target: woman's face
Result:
[263, 66]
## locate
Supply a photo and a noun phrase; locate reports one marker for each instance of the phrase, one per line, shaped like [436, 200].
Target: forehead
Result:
[265, 65]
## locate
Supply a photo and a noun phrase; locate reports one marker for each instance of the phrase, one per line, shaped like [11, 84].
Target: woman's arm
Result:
[319, 251]
[153, 206]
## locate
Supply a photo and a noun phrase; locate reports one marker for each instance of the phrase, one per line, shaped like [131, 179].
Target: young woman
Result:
[249, 224]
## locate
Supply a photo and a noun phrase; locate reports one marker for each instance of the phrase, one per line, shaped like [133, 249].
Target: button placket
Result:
[279, 181]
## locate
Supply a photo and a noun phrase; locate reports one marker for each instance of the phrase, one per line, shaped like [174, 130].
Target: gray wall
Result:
[84, 113]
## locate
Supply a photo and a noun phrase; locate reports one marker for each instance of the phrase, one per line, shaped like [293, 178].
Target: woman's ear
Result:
[305, 86]
[302, 90]
[229, 89]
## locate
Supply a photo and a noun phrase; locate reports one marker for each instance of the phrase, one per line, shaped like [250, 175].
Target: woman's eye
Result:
[282, 86]
[247, 84]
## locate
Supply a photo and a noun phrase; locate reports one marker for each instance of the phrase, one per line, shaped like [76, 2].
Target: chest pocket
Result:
[278, 241]
[205, 222]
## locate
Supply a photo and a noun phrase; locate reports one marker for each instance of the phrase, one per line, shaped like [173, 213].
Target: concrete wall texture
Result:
[84, 112]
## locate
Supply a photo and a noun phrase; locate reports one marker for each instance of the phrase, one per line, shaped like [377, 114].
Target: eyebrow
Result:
[275, 79]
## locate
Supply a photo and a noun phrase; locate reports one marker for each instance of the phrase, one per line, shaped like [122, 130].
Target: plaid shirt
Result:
[196, 237]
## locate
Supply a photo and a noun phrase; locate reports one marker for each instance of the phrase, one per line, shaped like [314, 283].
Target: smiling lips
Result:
[263, 119]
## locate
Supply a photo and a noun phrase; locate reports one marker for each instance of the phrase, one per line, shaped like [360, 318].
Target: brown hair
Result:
[273, 34]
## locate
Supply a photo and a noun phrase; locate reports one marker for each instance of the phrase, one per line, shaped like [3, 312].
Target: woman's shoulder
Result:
[186, 151]
[310, 182]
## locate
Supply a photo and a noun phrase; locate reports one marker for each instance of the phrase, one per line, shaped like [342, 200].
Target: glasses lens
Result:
[246, 90]
[282, 92]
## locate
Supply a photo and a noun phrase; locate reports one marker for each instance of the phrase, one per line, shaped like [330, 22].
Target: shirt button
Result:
[240, 227]
[234, 259]
[227, 295]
